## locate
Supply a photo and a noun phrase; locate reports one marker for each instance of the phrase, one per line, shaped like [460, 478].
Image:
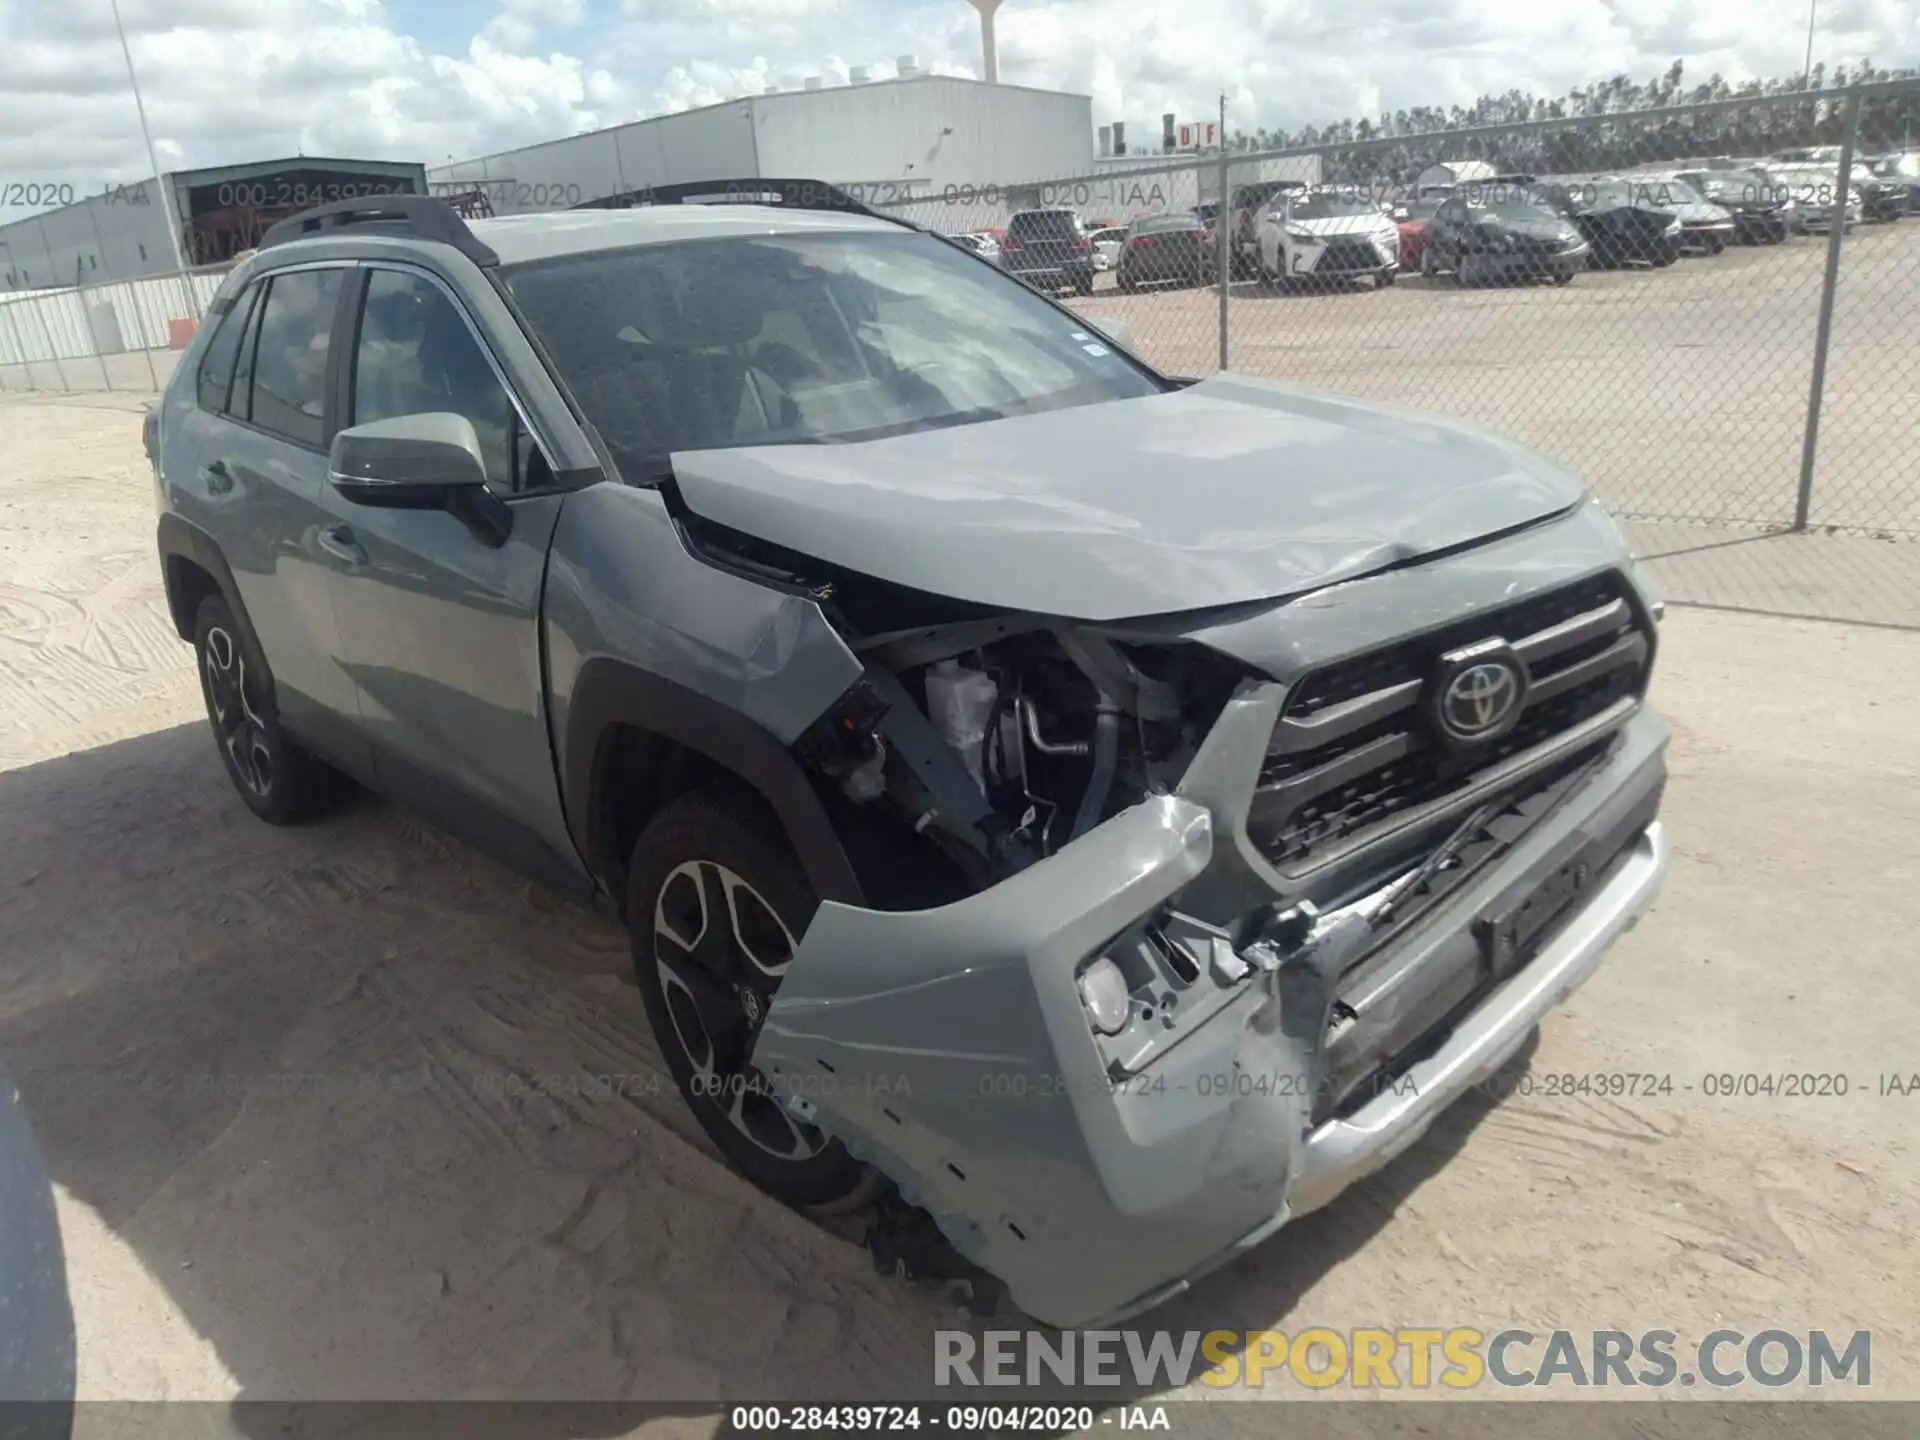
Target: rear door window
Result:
[289, 389]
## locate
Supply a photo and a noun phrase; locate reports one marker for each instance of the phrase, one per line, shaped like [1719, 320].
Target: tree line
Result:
[1393, 144]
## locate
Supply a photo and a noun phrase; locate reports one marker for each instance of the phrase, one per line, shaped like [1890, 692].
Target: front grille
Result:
[1347, 255]
[1354, 752]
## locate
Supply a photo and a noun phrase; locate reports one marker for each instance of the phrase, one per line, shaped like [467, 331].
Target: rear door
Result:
[441, 628]
[246, 462]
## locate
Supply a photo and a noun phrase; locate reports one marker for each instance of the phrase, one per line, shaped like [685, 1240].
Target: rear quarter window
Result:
[222, 354]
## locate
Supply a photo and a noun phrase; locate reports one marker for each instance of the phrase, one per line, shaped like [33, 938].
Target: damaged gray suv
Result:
[1076, 817]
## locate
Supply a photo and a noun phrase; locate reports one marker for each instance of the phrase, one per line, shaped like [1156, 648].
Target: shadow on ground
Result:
[384, 1122]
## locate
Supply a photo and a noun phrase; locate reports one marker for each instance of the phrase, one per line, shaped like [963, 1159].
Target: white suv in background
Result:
[1328, 235]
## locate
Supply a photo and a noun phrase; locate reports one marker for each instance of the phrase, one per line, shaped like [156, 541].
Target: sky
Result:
[431, 80]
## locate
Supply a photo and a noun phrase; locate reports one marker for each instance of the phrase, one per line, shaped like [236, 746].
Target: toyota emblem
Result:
[1480, 698]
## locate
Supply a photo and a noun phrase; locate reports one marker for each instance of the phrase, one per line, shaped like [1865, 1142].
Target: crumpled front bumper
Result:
[950, 1047]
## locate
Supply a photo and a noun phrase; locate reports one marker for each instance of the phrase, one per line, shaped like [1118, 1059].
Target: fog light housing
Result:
[1103, 991]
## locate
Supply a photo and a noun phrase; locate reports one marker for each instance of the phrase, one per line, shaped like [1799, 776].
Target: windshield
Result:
[1328, 205]
[803, 339]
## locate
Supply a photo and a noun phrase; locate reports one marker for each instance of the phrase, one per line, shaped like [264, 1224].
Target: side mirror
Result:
[411, 462]
[1117, 331]
[430, 461]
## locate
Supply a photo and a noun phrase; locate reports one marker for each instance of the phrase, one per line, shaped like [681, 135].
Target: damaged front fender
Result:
[951, 1049]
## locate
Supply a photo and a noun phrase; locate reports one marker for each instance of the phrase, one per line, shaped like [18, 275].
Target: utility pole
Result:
[153, 157]
[1806, 76]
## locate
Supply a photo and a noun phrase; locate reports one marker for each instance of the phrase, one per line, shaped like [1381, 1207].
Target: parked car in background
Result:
[985, 246]
[1619, 229]
[1502, 232]
[1165, 250]
[1812, 189]
[1412, 218]
[1762, 213]
[1883, 198]
[1243, 233]
[1327, 236]
[1901, 168]
[1705, 228]
[1049, 249]
[1106, 245]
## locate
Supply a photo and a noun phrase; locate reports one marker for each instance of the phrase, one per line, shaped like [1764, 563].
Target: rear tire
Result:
[1383, 278]
[275, 778]
[716, 904]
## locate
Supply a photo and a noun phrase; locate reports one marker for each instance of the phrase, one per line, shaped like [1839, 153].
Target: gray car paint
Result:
[621, 584]
[950, 1047]
[1229, 490]
[1084, 1198]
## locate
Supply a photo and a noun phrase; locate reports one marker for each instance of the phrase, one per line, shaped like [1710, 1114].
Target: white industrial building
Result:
[930, 139]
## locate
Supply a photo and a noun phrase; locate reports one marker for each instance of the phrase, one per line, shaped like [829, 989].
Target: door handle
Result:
[338, 541]
[219, 480]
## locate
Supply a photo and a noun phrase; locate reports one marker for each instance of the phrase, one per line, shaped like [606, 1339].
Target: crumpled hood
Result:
[1229, 490]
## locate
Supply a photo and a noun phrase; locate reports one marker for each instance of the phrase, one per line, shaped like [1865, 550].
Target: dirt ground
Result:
[313, 1098]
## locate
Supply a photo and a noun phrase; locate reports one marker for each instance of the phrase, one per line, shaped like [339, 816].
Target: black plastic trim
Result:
[423, 217]
[611, 692]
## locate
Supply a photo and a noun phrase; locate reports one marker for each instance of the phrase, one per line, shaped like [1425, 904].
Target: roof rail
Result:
[749, 190]
[423, 217]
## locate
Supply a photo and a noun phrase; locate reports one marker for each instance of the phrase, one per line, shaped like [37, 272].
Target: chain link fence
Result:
[1684, 305]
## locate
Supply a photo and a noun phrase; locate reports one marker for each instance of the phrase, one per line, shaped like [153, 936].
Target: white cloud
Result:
[232, 80]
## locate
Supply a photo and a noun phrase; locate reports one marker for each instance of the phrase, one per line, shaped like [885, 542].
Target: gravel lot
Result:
[308, 1094]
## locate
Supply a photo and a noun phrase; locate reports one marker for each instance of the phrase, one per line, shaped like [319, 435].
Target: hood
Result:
[1229, 490]
[1342, 225]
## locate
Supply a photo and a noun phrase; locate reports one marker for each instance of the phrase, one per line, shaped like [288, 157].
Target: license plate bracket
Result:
[1507, 932]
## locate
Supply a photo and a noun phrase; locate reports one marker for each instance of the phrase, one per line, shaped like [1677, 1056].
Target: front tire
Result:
[278, 781]
[716, 904]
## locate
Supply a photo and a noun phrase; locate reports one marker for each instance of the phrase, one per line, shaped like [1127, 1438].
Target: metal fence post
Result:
[1823, 330]
[1223, 242]
[53, 347]
[19, 343]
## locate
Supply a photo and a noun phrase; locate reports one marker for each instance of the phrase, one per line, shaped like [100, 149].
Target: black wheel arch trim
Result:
[180, 539]
[609, 692]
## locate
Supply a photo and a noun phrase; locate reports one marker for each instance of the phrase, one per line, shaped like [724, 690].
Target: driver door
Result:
[440, 629]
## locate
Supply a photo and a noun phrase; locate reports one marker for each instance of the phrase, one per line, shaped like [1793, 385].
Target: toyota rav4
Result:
[1079, 817]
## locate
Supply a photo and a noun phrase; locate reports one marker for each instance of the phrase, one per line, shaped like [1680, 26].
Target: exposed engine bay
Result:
[993, 739]
[1010, 747]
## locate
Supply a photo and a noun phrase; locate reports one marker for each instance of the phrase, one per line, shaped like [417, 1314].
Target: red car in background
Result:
[1412, 217]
